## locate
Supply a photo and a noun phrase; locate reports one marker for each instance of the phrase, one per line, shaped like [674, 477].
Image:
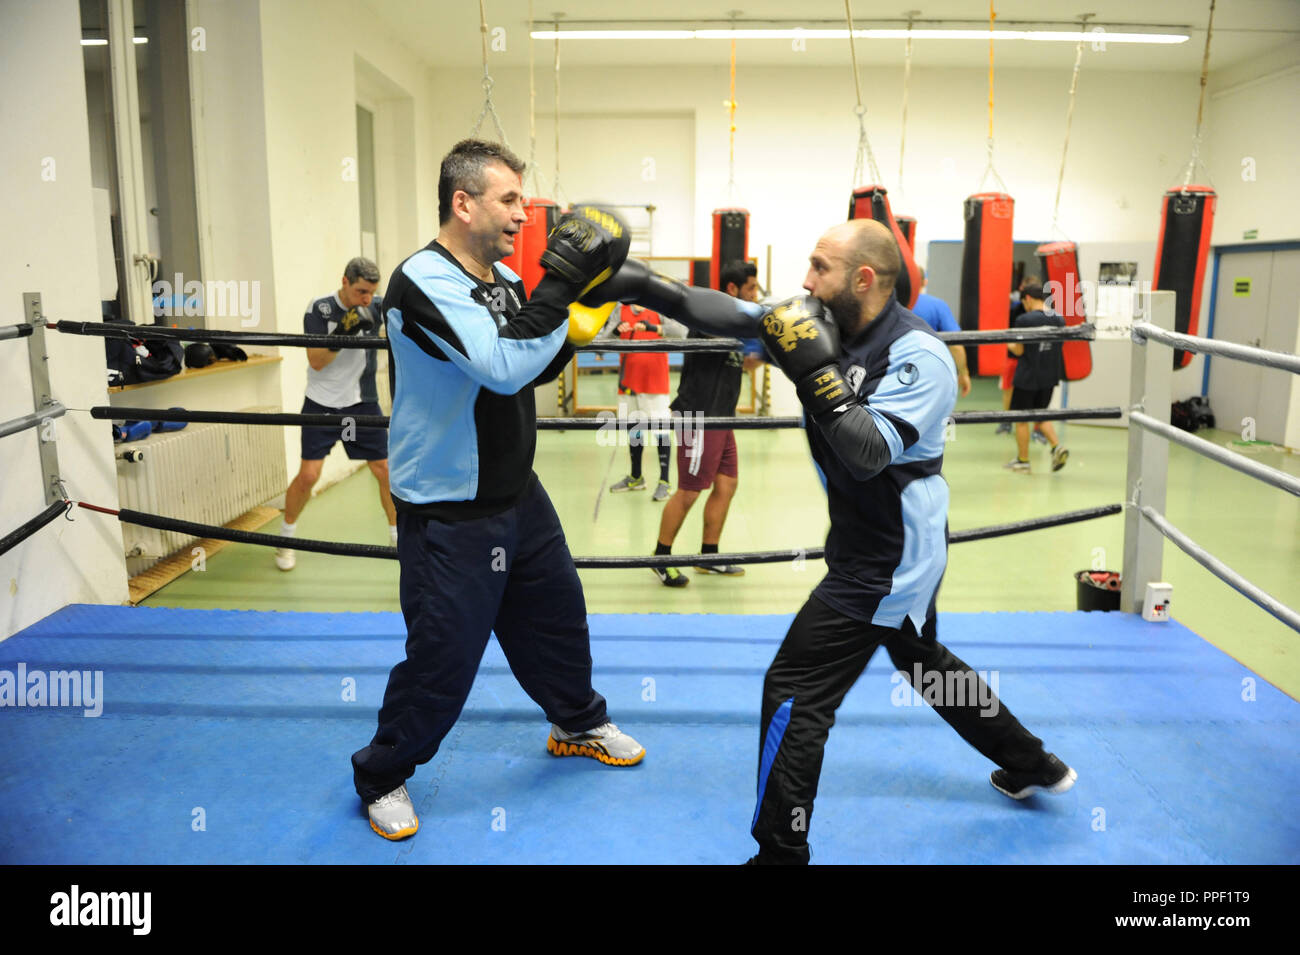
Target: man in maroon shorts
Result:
[709, 386]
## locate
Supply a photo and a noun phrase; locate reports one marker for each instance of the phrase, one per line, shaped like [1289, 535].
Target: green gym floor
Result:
[1255, 529]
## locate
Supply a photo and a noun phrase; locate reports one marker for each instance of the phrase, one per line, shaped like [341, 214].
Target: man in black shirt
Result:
[709, 386]
[1038, 370]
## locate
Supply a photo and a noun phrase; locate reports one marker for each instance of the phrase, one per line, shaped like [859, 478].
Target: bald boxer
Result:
[877, 387]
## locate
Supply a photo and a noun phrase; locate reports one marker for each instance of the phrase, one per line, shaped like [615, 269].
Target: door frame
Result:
[1219, 252]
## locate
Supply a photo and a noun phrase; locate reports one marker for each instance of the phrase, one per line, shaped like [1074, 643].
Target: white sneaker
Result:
[605, 743]
[393, 815]
[285, 558]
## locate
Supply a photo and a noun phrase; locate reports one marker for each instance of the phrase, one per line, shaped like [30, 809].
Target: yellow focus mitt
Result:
[586, 322]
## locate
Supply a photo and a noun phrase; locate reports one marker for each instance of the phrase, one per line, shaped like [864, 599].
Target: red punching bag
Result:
[1059, 262]
[730, 241]
[526, 260]
[1186, 220]
[907, 226]
[872, 202]
[986, 264]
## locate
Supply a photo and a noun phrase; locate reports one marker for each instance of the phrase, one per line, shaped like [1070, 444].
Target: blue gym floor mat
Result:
[225, 736]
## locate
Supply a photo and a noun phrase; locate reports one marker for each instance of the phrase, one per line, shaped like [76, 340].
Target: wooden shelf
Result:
[217, 368]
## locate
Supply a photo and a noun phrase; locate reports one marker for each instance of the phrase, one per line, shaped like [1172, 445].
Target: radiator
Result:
[210, 473]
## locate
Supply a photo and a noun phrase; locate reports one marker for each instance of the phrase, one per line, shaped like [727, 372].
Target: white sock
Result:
[392, 532]
[288, 530]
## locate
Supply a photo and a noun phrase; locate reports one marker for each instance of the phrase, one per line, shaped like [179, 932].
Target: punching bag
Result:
[1059, 264]
[1186, 220]
[986, 264]
[907, 226]
[872, 202]
[526, 260]
[730, 241]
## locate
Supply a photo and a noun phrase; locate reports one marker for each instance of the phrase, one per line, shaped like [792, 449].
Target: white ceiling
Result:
[445, 33]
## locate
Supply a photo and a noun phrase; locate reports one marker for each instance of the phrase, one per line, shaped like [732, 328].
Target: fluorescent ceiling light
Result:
[1070, 36]
[99, 41]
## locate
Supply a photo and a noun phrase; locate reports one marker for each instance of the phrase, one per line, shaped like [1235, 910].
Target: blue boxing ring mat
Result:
[205, 736]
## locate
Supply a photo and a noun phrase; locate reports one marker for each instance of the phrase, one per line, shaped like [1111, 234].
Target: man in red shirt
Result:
[643, 390]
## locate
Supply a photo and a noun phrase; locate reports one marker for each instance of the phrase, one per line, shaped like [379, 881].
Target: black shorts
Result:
[1031, 399]
[361, 444]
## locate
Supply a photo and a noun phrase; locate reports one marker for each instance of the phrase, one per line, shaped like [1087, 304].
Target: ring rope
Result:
[16, 331]
[1261, 472]
[598, 423]
[32, 419]
[140, 332]
[159, 522]
[1045, 333]
[1286, 361]
[26, 530]
[1221, 570]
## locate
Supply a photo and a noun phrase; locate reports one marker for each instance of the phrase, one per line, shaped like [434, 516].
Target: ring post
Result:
[42, 400]
[1150, 391]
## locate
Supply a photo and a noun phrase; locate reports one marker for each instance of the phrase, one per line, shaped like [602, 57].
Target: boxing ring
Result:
[223, 735]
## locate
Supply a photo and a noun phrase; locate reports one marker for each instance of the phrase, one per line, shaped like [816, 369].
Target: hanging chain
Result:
[907, 85]
[488, 108]
[1200, 108]
[864, 144]
[1069, 117]
[989, 168]
[532, 110]
[557, 111]
[731, 125]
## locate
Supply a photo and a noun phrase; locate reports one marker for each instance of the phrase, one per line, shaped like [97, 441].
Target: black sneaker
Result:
[727, 570]
[1052, 777]
[671, 576]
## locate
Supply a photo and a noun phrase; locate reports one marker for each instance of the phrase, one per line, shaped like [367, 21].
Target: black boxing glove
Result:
[356, 321]
[805, 343]
[586, 247]
[636, 283]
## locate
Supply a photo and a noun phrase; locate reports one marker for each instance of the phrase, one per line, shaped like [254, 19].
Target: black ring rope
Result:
[20, 534]
[158, 522]
[16, 331]
[122, 413]
[125, 332]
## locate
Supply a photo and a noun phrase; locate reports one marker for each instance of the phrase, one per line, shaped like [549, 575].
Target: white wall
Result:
[1251, 121]
[51, 226]
[797, 136]
[309, 100]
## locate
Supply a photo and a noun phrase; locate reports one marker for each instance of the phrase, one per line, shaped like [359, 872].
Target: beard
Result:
[846, 310]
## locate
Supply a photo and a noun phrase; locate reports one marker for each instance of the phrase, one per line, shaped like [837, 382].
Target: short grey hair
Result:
[361, 268]
[462, 170]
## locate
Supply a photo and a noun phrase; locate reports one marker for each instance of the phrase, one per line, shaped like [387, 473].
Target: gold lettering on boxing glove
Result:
[833, 390]
[789, 323]
[828, 384]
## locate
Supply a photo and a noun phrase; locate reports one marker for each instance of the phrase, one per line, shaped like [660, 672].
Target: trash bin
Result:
[1098, 589]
